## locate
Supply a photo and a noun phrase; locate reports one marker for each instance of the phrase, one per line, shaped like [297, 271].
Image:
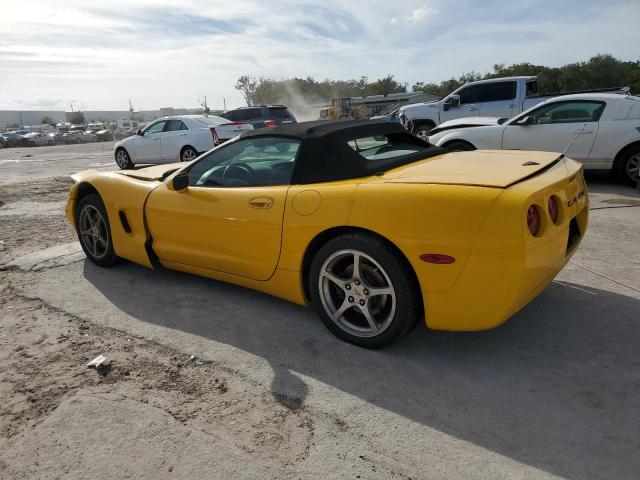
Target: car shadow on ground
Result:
[556, 387]
[605, 182]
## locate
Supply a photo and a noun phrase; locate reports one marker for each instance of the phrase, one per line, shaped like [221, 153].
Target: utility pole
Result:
[131, 110]
[224, 103]
[205, 107]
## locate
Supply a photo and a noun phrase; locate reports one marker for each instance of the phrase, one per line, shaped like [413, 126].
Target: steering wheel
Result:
[238, 174]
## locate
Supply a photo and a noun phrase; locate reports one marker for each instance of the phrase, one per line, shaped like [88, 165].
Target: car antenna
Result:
[564, 152]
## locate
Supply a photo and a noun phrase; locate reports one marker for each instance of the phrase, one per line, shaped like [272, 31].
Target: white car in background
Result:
[176, 139]
[606, 128]
[38, 139]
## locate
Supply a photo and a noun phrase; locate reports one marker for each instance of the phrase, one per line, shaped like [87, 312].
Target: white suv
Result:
[176, 139]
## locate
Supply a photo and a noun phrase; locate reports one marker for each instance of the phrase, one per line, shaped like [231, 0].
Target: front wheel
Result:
[422, 132]
[123, 160]
[94, 232]
[364, 291]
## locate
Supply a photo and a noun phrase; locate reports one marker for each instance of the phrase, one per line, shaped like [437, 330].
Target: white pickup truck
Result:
[497, 97]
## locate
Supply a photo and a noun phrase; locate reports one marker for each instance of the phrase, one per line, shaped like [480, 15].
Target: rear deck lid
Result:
[224, 128]
[229, 130]
[488, 168]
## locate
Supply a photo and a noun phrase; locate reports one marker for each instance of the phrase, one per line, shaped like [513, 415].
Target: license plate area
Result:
[574, 234]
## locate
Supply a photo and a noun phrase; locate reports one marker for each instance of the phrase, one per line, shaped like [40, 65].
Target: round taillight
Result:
[534, 220]
[554, 209]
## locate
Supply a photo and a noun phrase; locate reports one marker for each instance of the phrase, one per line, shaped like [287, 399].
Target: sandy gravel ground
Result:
[207, 380]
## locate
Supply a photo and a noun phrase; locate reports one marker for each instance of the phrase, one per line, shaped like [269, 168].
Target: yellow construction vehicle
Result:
[341, 108]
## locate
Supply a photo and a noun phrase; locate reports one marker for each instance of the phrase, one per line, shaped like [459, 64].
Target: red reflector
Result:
[438, 258]
[236, 123]
[270, 123]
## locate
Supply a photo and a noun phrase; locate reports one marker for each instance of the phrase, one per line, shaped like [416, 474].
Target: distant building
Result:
[28, 117]
[32, 117]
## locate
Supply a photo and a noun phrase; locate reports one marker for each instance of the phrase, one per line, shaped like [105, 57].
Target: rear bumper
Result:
[493, 287]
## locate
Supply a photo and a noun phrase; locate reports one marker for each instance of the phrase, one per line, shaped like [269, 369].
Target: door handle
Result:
[472, 109]
[156, 138]
[261, 202]
[582, 132]
[183, 134]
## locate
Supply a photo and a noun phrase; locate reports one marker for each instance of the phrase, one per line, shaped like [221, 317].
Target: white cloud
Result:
[417, 16]
[167, 53]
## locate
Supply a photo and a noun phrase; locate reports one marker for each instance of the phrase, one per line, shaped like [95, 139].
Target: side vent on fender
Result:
[124, 221]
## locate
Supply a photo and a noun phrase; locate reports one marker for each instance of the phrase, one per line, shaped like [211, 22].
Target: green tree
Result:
[48, 120]
[601, 71]
[247, 86]
[77, 118]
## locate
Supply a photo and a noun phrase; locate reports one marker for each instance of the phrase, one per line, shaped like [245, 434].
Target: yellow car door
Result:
[229, 218]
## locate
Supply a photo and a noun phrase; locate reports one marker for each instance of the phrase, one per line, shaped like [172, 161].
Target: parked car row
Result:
[26, 138]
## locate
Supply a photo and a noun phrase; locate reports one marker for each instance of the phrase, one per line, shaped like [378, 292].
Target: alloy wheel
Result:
[422, 134]
[357, 293]
[122, 159]
[633, 168]
[93, 231]
[188, 155]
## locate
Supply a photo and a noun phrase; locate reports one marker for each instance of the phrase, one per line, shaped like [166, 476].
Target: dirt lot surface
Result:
[208, 380]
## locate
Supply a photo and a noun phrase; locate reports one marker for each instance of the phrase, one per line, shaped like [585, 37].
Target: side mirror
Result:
[139, 132]
[452, 101]
[180, 182]
[524, 121]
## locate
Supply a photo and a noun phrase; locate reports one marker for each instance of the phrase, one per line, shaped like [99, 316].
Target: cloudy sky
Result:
[170, 53]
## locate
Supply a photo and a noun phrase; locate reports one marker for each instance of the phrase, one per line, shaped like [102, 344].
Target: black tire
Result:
[50, 143]
[78, 140]
[188, 153]
[32, 143]
[628, 165]
[96, 251]
[122, 158]
[422, 131]
[458, 146]
[407, 308]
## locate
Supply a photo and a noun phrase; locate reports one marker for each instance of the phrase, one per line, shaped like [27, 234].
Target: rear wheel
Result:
[363, 291]
[123, 160]
[94, 231]
[460, 147]
[188, 153]
[628, 167]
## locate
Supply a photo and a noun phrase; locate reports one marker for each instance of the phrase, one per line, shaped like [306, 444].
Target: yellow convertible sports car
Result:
[373, 227]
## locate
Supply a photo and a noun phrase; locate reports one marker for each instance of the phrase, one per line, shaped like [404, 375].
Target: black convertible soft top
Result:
[324, 154]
